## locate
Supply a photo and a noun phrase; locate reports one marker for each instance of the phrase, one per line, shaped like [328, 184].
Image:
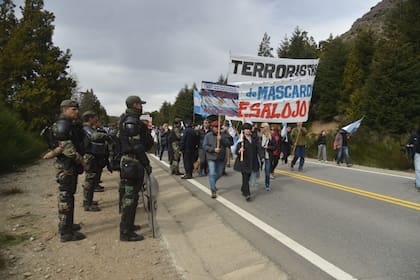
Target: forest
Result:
[374, 75]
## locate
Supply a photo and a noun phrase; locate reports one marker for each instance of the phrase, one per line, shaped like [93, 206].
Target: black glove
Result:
[148, 169]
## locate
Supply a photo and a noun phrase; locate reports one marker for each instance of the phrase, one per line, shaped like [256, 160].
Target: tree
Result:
[392, 89]
[183, 106]
[298, 46]
[356, 72]
[165, 113]
[89, 101]
[329, 78]
[8, 22]
[33, 72]
[265, 48]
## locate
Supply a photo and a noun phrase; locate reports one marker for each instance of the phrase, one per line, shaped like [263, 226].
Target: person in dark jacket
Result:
[203, 169]
[275, 135]
[215, 146]
[164, 135]
[322, 146]
[189, 146]
[247, 159]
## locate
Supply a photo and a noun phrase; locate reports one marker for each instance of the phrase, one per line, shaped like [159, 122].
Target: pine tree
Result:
[33, 72]
[298, 46]
[392, 89]
[8, 22]
[356, 72]
[328, 81]
[89, 101]
[183, 106]
[265, 48]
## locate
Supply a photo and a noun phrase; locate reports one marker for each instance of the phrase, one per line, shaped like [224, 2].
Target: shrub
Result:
[18, 146]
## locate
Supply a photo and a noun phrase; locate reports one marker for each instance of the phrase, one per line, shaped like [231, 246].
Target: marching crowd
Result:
[206, 150]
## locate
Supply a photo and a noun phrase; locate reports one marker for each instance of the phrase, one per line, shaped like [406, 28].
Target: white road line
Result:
[361, 170]
[310, 256]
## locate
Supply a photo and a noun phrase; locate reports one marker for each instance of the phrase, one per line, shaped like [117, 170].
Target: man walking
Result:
[215, 146]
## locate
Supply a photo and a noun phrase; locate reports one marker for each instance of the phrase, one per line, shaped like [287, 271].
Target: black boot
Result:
[131, 236]
[72, 236]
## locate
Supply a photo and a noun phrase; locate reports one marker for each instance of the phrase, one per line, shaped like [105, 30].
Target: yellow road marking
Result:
[389, 199]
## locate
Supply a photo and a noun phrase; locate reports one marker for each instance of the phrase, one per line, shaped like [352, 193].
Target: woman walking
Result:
[267, 148]
[247, 159]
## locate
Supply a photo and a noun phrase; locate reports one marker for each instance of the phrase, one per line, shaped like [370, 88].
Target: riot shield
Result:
[150, 194]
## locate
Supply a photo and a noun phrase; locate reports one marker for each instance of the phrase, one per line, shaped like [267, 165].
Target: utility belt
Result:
[97, 149]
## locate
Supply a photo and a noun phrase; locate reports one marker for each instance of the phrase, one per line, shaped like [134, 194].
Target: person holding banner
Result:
[215, 144]
[247, 160]
[299, 133]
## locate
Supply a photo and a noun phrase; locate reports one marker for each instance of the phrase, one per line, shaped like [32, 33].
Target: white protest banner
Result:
[245, 69]
[219, 99]
[275, 102]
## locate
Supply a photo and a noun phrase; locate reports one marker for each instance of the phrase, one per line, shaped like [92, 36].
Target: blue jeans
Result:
[343, 151]
[417, 168]
[299, 153]
[267, 167]
[215, 172]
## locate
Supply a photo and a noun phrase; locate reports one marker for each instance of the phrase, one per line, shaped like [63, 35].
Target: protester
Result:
[322, 146]
[341, 143]
[299, 134]
[164, 134]
[203, 169]
[267, 149]
[286, 144]
[414, 142]
[275, 135]
[247, 159]
[215, 146]
[189, 146]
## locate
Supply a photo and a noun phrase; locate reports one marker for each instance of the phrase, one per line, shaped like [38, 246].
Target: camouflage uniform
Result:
[175, 138]
[69, 135]
[95, 148]
[135, 141]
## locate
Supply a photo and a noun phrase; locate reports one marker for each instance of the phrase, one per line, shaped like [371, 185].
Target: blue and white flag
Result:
[198, 109]
[351, 128]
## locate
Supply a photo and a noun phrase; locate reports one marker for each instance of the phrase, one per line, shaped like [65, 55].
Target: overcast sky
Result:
[154, 48]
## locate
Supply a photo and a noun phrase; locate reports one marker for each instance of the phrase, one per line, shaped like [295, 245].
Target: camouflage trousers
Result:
[91, 179]
[132, 176]
[67, 180]
[176, 157]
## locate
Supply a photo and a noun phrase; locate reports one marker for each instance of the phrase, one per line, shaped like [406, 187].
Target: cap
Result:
[247, 126]
[69, 103]
[88, 114]
[133, 99]
[177, 120]
[215, 124]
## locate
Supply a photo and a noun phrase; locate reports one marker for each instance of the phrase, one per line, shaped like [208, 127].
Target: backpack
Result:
[48, 136]
[115, 152]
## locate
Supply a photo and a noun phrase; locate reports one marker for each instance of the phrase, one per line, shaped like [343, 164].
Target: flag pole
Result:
[218, 130]
[242, 143]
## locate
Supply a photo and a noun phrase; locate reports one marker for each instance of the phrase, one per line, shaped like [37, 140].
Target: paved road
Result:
[328, 222]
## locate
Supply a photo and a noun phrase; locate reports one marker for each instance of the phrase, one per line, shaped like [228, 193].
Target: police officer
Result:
[135, 140]
[95, 150]
[174, 139]
[69, 135]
